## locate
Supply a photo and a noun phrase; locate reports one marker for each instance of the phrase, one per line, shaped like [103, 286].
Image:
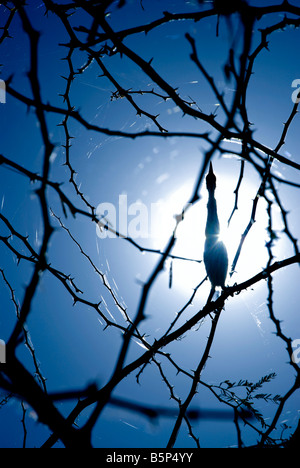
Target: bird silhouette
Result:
[215, 252]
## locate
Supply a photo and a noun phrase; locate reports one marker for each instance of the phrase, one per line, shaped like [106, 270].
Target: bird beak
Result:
[211, 168]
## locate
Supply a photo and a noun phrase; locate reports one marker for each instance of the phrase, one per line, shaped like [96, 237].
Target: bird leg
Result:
[211, 295]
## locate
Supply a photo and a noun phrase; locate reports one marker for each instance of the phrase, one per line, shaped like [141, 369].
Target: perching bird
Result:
[215, 253]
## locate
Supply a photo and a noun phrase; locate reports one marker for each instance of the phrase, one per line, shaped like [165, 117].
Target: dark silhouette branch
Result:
[91, 41]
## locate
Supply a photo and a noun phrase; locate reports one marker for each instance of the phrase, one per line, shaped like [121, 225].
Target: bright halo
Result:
[190, 235]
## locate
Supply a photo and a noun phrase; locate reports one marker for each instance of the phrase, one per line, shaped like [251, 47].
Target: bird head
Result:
[211, 179]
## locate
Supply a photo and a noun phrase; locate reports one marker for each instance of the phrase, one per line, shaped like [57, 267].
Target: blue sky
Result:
[69, 340]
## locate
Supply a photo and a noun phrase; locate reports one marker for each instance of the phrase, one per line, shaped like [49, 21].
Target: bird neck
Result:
[212, 223]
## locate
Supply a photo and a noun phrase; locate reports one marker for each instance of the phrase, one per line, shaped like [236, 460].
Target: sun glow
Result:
[190, 234]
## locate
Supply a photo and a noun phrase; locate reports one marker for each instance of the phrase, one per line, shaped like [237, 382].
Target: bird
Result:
[215, 252]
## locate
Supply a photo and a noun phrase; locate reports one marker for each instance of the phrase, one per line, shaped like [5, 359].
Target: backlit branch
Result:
[91, 42]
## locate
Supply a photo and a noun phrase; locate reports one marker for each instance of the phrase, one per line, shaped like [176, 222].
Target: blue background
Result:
[70, 342]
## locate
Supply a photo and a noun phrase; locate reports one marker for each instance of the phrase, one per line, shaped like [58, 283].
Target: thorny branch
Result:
[97, 42]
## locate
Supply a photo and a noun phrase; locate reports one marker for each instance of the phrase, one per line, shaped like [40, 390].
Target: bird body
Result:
[216, 262]
[215, 253]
